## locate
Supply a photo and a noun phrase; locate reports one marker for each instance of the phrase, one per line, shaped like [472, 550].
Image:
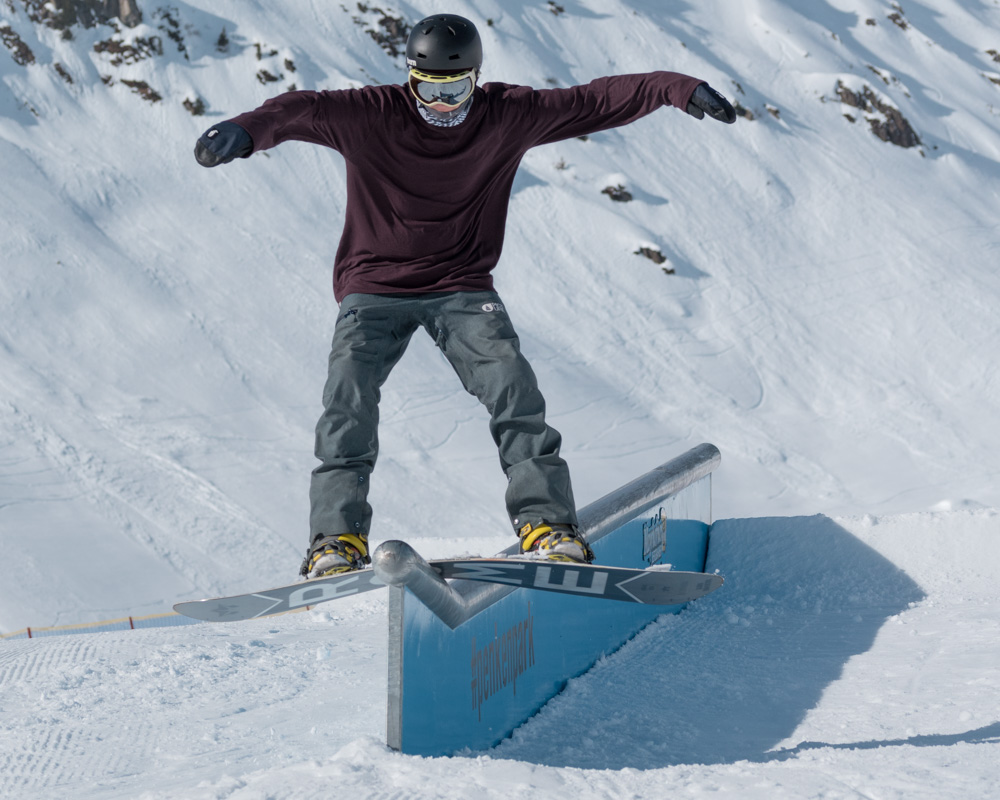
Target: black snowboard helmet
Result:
[444, 43]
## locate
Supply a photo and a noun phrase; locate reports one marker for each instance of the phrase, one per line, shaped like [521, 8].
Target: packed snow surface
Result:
[826, 314]
[844, 657]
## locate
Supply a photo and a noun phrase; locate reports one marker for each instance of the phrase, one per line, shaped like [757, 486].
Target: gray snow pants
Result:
[475, 334]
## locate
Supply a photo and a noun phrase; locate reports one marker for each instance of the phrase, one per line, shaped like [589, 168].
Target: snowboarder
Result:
[430, 165]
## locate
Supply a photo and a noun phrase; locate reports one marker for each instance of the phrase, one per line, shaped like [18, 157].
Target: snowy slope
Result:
[830, 323]
[164, 327]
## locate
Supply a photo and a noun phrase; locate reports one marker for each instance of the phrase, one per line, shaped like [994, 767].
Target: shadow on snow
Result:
[735, 674]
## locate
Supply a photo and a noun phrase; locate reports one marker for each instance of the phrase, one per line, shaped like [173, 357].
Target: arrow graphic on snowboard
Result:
[653, 586]
[280, 599]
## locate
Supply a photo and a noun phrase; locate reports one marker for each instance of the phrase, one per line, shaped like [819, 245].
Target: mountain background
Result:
[813, 289]
[825, 313]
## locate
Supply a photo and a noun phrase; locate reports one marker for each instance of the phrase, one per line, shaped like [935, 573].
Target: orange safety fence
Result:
[168, 620]
[123, 624]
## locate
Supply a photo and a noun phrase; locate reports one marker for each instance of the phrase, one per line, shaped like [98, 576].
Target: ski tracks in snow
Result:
[148, 510]
[53, 744]
[114, 714]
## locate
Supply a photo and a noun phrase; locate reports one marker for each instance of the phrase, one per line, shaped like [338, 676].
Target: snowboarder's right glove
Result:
[221, 143]
[706, 100]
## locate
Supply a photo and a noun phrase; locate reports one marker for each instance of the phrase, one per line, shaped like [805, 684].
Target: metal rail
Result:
[454, 602]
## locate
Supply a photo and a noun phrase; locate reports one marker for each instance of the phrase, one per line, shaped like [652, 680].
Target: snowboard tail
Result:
[280, 599]
[647, 586]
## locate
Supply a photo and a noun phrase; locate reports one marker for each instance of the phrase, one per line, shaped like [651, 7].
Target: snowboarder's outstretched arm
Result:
[544, 116]
[222, 143]
[339, 119]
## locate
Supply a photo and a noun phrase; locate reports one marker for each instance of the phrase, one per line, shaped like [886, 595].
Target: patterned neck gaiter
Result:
[453, 118]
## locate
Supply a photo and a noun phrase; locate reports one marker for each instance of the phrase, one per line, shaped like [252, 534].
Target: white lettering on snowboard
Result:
[491, 573]
[309, 595]
[570, 581]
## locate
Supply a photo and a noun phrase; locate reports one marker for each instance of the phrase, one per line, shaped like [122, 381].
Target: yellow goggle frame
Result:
[427, 88]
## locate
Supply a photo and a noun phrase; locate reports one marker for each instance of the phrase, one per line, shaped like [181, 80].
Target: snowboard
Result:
[651, 586]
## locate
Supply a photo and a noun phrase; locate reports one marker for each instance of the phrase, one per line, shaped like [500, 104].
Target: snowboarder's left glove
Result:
[706, 100]
[221, 143]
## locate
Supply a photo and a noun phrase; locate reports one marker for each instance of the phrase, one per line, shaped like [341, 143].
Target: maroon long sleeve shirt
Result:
[427, 206]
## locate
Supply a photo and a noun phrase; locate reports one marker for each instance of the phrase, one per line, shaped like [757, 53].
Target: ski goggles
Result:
[447, 91]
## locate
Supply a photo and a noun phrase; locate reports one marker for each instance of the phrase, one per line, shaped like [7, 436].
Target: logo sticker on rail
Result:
[498, 663]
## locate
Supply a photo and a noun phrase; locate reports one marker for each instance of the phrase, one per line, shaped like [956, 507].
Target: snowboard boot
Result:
[555, 542]
[332, 555]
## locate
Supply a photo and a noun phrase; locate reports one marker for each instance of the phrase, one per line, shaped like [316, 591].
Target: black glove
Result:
[706, 100]
[221, 143]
